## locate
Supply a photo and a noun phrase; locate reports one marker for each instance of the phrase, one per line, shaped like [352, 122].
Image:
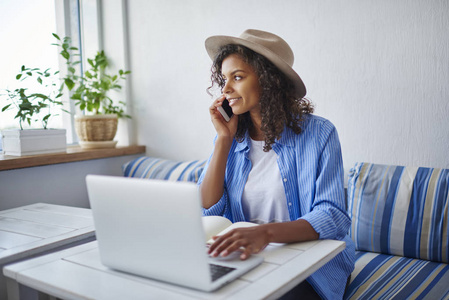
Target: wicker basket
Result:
[96, 128]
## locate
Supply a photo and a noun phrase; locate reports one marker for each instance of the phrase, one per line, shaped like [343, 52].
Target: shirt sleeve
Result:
[328, 215]
[219, 208]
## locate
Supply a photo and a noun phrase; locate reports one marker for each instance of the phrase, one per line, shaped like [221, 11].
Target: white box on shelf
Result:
[18, 142]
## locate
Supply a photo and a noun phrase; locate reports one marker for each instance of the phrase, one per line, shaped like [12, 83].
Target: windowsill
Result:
[73, 154]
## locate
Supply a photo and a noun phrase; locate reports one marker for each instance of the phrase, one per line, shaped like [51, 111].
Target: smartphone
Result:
[226, 110]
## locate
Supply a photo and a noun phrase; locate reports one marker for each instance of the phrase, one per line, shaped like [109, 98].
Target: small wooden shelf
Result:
[73, 154]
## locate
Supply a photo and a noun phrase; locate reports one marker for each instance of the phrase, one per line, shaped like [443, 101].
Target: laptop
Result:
[153, 228]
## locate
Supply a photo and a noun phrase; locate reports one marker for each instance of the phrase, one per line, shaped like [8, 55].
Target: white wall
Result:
[379, 70]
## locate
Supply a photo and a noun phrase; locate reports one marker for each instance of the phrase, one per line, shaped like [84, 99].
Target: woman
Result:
[274, 163]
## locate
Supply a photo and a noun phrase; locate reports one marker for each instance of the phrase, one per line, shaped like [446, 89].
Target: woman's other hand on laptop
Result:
[248, 240]
[255, 239]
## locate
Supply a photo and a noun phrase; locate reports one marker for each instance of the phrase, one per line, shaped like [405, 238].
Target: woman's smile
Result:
[232, 101]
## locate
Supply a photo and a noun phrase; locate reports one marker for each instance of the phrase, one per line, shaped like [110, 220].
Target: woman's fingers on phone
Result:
[216, 104]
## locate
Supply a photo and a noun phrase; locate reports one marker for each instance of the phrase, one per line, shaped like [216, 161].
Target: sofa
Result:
[399, 225]
[400, 229]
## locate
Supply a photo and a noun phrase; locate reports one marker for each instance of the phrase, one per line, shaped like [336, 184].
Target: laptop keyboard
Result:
[219, 271]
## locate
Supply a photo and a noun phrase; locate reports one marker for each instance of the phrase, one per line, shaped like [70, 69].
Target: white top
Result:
[263, 199]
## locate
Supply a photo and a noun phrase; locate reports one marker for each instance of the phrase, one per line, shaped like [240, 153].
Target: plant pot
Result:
[96, 131]
[18, 142]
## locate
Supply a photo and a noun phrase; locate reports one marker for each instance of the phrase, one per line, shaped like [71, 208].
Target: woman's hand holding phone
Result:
[222, 117]
[225, 110]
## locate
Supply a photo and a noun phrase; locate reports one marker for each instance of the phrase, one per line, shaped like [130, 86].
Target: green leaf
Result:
[69, 83]
[18, 76]
[76, 96]
[88, 75]
[39, 80]
[104, 85]
[6, 107]
[46, 117]
[56, 36]
[42, 96]
[23, 68]
[72, 70]
[65, 54]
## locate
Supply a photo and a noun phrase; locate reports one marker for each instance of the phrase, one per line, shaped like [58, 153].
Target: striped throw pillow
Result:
[400, 210]
[158, 168]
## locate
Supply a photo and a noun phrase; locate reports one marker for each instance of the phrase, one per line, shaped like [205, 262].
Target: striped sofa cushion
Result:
[400, 210]
[382, 276]
[157, 168]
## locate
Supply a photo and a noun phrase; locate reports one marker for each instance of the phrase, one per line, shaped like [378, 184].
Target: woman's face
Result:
[241, 87]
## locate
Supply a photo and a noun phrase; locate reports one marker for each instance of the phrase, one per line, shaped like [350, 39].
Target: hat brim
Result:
[214, 43]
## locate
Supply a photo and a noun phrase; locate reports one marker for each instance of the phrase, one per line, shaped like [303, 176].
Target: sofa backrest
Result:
[400, 210]
[157, 168]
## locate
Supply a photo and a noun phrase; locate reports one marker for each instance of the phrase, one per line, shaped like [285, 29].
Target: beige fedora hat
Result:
[273, 47]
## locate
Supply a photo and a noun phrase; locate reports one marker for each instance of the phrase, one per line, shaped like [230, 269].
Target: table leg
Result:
[12, 288]
[16, 291]
[43, 296]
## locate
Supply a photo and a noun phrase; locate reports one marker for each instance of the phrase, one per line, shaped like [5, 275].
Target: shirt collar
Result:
[244, 145]
[287, 139]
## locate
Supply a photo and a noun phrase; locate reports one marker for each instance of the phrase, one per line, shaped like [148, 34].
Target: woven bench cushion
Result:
[400, 210]
[157, 168]
[381, 276]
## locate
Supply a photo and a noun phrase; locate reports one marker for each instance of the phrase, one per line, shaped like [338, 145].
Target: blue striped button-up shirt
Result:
[311, 166]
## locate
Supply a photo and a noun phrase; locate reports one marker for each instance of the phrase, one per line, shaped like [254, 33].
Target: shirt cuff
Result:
[217, 209]
[322, 223]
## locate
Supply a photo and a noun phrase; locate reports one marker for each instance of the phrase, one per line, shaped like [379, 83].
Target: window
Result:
[27, 26]
[26, 32]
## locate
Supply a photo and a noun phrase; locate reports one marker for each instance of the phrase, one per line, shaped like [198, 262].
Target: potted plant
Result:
[90, 91]
[34, 107]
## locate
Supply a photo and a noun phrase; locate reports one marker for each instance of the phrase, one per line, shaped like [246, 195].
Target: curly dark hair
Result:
[279, 105]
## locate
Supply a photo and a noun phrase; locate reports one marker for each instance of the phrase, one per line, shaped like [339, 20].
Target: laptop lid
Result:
[153, 228]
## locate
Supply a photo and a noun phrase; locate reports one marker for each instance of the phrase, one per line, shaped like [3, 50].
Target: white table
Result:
[77, 273]
[40, 228]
